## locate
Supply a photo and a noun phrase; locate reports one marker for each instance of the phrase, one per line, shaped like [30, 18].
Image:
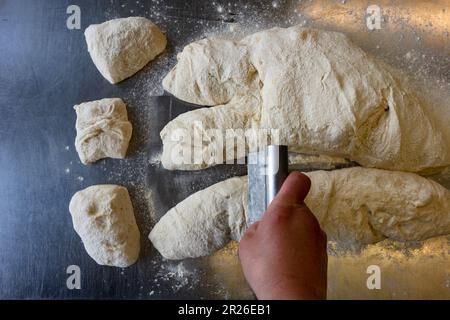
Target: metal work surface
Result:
[45, 70]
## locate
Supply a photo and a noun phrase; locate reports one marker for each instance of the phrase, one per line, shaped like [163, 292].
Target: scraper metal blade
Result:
[267, 169]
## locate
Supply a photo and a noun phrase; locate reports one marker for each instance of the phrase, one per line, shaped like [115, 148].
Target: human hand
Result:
[283, 256]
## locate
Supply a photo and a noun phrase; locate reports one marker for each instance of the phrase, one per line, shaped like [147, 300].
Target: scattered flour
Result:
[155, 159]
[177, 274]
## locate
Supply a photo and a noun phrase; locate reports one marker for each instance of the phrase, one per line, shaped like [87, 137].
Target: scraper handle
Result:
[277, 170]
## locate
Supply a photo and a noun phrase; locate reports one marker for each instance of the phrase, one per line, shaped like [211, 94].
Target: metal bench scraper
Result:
[267, 170]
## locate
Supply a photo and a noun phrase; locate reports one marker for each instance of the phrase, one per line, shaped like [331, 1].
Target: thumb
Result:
[293, 191]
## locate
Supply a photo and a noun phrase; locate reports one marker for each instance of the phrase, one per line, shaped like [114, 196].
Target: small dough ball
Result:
[121, 47]
[103, 217]
[103, 130]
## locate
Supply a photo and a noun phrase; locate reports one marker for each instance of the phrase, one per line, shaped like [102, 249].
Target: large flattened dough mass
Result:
[354, 206]
[325, 94]
[121, 47]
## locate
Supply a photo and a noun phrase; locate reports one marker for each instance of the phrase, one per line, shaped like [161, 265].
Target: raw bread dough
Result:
[103, 217]
[324, 94]
[355, 206]
[204, 222]
[121, 47]
[103, 130]
[360, 205]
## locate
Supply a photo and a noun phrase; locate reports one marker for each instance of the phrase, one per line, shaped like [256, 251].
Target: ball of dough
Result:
[103, 217]
[121, 47]
[103, 130]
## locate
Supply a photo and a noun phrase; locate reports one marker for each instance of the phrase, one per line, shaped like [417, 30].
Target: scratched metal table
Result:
[45, 69]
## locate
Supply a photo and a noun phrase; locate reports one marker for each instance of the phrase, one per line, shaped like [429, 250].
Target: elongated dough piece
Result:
[121, 47]
[207, 124]
[324, 94]
[361, 205]
[355, 205]
[204, 222]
